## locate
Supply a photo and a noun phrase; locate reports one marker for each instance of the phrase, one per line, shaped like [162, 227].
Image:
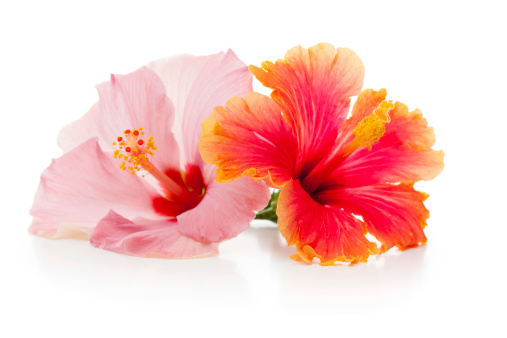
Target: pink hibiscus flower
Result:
[153, 117]
[330, 169]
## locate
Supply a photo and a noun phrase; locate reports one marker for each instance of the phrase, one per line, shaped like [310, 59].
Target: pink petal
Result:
[147, 238]
[138, 100]
[225, 211]
[79, 131]
[80, 188]
[196, 85]
[45, 228]
[126, 102]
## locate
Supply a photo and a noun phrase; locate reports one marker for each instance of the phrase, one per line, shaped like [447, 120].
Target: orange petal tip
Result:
[306, 253]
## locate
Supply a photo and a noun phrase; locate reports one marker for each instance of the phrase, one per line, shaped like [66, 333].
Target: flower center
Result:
[137, 154]
[367, 132]
[134, 150]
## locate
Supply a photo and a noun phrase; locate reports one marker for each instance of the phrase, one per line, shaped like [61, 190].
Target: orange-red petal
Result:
[312, 86]
[403, 153]
[394, 214]
[321, 230]
[249, 137]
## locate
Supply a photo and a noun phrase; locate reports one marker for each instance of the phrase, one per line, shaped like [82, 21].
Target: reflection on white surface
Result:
[349, 286]
[252, 269]
[63, 284]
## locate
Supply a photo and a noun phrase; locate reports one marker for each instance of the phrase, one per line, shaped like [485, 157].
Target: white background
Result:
[446, 58]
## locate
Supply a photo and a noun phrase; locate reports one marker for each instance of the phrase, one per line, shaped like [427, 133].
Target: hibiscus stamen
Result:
[135, 151]
[137, 154]
[370, 129]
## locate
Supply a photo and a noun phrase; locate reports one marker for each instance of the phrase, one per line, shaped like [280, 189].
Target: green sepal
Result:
[269, 212]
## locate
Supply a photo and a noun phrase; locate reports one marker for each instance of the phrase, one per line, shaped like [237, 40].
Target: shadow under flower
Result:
[80, 268]
[386, 278]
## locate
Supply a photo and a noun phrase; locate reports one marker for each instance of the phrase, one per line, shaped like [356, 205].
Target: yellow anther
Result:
[369, 131]
[133, 149]
[372, 127]
[383, 111]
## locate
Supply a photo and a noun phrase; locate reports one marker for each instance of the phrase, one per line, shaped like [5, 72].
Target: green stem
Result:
[269, 212]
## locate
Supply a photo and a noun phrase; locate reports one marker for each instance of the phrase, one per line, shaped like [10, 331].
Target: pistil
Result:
[137, 154]
[370, 129]
[367, 132]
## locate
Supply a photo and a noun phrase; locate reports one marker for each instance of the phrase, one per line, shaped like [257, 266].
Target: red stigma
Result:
[128, 149]
[136, 132]
[140, 142]
[120, 138]
[127, 131]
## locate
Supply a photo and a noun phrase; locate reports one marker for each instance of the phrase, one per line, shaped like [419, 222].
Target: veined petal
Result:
[81, 130]
[312, 87]
[394, 214]
[225, 210]
[249, 137]
[321, 230]
[80, 188]
[147, 238]
[138, 100]
[196, 85]
[403, 153]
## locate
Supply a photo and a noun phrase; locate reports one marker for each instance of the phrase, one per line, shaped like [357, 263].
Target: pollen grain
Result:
[134, 150]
